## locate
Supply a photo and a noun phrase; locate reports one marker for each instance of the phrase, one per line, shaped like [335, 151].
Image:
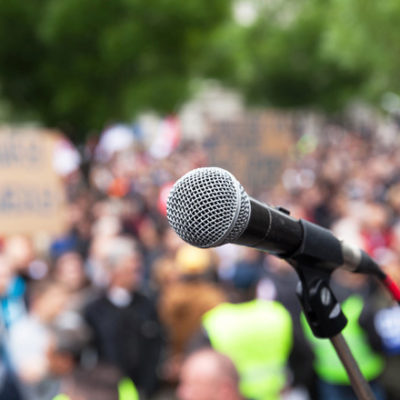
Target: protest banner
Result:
[254, 147]
[32, 196]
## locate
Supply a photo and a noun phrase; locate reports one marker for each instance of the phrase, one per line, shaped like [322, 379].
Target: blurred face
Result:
[51, 303]
[70, 272]
[148, 234]
[20, 251]
[376, 217]
[127, 274]
[165, 272]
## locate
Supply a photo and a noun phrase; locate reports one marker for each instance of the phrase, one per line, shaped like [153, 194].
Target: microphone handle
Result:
[272, 230]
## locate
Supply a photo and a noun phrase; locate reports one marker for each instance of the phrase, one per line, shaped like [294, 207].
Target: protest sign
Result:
[32, 197]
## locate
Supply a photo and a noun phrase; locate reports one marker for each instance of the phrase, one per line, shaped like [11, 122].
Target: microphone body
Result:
[208, 207]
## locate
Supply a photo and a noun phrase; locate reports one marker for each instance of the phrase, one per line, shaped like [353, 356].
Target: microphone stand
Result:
[326, 320]
[358, 382]
[314, 262]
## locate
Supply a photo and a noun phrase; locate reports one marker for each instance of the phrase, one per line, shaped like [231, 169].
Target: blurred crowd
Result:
[118, 307]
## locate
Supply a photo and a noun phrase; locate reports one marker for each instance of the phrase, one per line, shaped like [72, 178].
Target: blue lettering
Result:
[47, 199]
[6, 202]
[18, 199]
[20, 151]
[34, 153]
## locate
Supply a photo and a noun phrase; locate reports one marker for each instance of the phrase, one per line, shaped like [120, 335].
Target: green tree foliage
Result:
[364, 35]
[281, 59]
[78, 64]
[313, 53]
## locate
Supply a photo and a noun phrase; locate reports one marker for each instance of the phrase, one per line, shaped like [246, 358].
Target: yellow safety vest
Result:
[127, 390]
[257, 336]
[327, 363]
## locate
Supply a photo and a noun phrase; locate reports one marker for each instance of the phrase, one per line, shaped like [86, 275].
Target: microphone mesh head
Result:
[208, 207]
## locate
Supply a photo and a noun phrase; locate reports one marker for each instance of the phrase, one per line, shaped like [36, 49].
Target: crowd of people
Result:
[119, 307]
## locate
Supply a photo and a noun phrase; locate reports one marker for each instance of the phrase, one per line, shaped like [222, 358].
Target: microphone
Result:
[208, 207]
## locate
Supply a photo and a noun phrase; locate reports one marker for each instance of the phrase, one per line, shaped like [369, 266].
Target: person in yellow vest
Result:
[333, 382]
[255, 334]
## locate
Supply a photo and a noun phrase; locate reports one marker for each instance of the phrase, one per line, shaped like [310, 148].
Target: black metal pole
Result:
[360, 385]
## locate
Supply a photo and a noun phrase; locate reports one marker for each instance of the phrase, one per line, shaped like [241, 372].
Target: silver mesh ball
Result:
[208, 207]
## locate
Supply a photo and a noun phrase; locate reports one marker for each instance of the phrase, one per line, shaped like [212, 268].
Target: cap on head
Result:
[191, 260]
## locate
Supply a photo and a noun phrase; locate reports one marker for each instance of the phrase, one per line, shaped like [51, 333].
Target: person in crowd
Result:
[209, 375]
[149, 235]
[126, 329]
[184, 301]
[20, 252]
[387, 324]
[376, 233]
[69, 270]
[9, 385]
[31, 337]
[8, 380]
[256, 334]
[12, 293]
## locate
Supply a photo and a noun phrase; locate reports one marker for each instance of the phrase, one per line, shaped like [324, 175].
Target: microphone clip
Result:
[320, 306]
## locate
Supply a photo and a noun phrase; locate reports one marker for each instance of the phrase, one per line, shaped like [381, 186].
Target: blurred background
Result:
[104, 104]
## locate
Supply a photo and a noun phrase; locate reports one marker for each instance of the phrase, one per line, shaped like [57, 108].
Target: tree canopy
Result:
[80, 64]
[287, 59]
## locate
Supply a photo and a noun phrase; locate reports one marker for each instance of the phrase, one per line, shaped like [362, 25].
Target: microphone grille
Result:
[208, 207]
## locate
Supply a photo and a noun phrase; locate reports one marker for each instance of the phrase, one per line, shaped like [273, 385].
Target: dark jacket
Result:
[129, 337]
